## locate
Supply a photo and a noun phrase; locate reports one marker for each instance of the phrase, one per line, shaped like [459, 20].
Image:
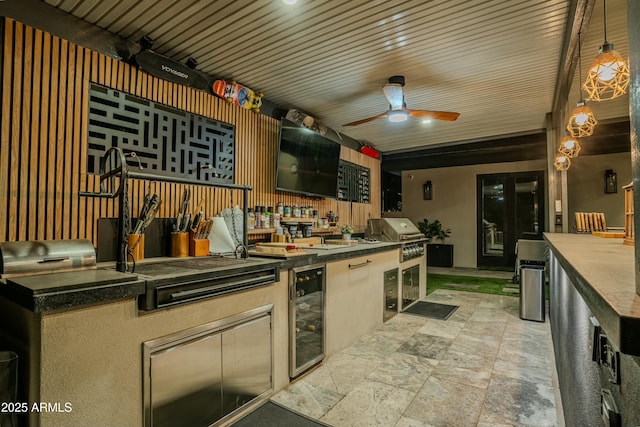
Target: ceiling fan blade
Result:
[437, 115]
[370, 119]
[393, 93]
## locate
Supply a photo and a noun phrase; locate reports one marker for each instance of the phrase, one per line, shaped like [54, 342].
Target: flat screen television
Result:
[307, 162]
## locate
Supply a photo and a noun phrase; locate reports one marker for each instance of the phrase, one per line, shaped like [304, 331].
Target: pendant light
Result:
[608, 76]
[569, 146]
[582, 121]
[562, 163]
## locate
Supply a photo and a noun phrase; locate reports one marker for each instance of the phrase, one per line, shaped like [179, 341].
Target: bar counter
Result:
[602, 270]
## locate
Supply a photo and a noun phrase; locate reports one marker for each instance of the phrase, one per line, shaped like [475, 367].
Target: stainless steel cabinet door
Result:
[186, 384]
[246, 367]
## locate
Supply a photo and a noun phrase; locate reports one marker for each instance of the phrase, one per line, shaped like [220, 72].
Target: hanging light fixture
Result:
[569, 146]
[608, 76]
[582, 121]
[562, 163]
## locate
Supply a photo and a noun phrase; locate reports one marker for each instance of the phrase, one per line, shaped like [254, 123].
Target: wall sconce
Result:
[610, 181]
[427, 191]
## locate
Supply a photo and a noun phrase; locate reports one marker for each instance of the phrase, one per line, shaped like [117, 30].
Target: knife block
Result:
[198, 247]
[179, 245]
[135, 244]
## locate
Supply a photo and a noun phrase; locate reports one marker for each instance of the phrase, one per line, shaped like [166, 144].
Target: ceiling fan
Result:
[398, 111]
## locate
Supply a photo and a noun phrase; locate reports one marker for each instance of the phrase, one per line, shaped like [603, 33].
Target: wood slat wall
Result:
[44, 84]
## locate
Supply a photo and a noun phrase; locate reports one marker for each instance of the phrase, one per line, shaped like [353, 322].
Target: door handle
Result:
[360, 265]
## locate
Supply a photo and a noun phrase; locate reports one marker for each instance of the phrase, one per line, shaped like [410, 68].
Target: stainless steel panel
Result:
[183, 371]
[186, 384]
[306, 318]
[532, 295]
[41, 256]
[392, 229]
[390, 280]
[410, 286]
[246, 367]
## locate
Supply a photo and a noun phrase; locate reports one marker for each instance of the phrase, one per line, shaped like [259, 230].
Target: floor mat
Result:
[432, 310]
[272, 414]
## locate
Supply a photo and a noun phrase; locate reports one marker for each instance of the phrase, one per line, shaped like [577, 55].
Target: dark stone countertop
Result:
[603, 272]
[55, 292]
[60, 291]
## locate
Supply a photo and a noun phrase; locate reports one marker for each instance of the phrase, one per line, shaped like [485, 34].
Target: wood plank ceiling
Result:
[494, 62]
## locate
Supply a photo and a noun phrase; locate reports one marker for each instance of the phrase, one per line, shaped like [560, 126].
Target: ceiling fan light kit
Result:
[398, 111]
[397, 116]
[608, 76]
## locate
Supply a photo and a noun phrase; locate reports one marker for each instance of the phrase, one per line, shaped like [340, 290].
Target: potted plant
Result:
[438, 254]
[346, 230]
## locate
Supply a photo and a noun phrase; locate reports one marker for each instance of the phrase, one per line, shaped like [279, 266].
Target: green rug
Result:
[485, 285]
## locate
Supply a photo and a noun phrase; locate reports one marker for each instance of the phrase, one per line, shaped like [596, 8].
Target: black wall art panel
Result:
[167, 141]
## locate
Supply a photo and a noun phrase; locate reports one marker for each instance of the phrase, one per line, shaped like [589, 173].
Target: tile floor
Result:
[484, 366]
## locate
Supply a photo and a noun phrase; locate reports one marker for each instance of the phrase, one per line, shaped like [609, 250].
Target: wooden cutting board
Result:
[277, 250]
[340, 242]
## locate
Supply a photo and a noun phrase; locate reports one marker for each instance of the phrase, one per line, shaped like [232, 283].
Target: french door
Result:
[510, 207]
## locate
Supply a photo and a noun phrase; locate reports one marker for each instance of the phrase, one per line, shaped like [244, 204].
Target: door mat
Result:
[272, 414]
[432, 310]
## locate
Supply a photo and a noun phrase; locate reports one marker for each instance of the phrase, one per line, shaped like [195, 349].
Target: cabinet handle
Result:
[362, 264]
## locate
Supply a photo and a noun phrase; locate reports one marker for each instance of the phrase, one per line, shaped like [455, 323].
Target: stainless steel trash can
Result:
[532, 295]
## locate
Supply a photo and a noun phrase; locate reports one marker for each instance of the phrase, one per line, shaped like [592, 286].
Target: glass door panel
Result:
[510, 207]
[493, 216]
[527, 208]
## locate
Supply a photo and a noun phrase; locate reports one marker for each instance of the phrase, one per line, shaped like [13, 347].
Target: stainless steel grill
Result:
[45, 256]
[398, 230]
[392, 230]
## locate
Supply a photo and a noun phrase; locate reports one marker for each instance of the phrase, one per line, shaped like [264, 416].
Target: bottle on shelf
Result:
[296, 211]
[251, 219]
[280, 209]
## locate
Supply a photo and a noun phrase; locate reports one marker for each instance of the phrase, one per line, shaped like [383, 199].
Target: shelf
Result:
[330, 230]
[261, 231]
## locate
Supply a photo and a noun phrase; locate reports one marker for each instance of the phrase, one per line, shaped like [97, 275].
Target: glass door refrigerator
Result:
[306, 318]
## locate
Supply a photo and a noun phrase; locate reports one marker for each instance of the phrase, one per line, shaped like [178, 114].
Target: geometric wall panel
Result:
[168, 141]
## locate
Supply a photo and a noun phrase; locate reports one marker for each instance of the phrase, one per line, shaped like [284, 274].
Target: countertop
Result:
[603, 272]
[53, 292]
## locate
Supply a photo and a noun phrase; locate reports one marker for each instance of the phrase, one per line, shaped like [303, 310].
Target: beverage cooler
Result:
[306, 318]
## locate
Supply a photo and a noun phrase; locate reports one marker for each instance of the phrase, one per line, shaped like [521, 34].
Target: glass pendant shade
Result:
[569, 147]
[562, 163]
[582, 121]
[608, 76]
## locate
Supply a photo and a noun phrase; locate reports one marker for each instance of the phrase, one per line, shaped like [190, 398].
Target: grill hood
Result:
[392, 230]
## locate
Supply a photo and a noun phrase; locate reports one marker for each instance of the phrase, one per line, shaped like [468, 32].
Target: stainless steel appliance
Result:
[412, 247]
[179, 282]
[208, 373]
[390, 294]
[532, 293]
[410, 286]
[306, 317]
[392, 230]
[45, 256]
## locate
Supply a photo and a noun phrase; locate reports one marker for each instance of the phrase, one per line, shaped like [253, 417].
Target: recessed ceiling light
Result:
[426, 121]
[289, 1]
